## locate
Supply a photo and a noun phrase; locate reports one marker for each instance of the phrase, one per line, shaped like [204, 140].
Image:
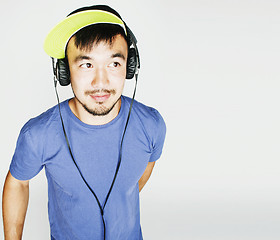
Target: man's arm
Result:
[146, 175]
[14, 206]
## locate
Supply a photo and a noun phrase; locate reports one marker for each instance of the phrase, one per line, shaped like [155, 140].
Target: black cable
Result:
[67, 141]
[120, 152]
[71, 154]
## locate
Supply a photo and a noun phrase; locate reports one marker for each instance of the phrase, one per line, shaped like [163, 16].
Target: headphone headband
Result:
[57, 39]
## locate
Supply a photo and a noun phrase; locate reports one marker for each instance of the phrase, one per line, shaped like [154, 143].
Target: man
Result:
[98, 148]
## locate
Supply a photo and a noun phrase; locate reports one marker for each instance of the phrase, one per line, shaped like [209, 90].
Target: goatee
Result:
[102, 111]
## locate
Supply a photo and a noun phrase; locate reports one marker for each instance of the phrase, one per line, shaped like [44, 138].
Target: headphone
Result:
[62, 72]
[62, 75]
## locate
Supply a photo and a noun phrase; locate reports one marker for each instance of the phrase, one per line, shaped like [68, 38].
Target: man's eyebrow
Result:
[82, 57]
[85, 57]
[120, 55]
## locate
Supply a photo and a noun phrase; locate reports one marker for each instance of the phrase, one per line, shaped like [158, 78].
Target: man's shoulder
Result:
[41, 122]
[150, 117]
[145, 112]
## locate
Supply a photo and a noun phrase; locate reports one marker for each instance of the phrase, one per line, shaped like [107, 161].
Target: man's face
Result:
[98, 75]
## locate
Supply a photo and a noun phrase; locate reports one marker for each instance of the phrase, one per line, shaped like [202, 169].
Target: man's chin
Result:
[99, 108]
[98, 111]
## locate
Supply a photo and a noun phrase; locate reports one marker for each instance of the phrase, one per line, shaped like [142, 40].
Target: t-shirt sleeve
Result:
[26, 161]
[159, 136]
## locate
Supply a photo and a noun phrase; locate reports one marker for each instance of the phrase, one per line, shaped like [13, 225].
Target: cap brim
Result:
[57, 39]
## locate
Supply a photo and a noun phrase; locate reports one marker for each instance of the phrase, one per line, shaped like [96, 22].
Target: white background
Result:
[211, 67]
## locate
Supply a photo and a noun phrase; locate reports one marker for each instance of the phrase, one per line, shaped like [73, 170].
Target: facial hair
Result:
[102, 110]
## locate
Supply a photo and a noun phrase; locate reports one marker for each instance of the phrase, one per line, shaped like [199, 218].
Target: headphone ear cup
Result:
[63, 74]
[131, 63]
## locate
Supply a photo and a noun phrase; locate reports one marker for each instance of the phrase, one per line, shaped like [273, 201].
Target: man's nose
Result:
[100, 78]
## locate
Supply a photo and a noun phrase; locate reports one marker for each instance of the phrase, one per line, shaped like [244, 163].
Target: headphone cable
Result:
[120, 152]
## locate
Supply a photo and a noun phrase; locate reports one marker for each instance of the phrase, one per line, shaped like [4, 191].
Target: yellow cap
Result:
[57, 39]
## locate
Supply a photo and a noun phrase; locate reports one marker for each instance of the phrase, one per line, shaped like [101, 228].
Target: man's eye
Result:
[115, 64]
[86, 65]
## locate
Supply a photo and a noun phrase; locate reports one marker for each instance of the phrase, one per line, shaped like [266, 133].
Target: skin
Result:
[146, 175]
[14, 206]
[97, 80]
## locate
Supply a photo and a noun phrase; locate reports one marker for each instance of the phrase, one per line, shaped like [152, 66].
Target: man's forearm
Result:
[146, 175]
[14, 206]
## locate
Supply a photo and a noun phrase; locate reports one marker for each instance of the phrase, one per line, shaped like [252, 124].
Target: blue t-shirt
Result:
[73, 211]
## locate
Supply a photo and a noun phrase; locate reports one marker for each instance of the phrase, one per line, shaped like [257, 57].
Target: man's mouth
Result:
[100, 97]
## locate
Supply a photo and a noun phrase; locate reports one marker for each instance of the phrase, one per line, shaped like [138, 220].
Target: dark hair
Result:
[93, 34]
[96, 33]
